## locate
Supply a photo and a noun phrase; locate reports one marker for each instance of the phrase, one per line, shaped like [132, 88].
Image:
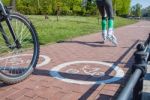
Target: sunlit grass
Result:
[50, 30]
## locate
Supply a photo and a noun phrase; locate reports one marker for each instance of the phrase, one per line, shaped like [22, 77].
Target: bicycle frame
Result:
[7, 19]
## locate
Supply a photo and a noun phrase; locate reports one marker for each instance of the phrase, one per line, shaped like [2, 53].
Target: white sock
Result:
[104, 31]
[110, 31]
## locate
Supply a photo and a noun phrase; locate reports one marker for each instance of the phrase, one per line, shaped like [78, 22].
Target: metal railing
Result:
[134, 87]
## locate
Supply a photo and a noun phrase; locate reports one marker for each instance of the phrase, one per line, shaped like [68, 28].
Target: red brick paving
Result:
[41, 86]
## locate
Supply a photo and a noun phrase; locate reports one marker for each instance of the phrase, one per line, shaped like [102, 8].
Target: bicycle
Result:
[18, 37]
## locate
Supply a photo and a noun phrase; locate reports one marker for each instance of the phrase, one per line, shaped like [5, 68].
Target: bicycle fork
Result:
[7, 19]
[17, 44]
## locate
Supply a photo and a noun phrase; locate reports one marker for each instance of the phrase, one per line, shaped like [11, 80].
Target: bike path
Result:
[81, 68]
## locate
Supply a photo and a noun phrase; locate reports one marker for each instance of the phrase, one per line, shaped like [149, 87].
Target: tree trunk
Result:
[115, 7]
[13, 4]
[58, 9]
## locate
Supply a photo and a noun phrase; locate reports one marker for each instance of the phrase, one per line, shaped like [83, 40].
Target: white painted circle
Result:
[44, 62]
[54, 73]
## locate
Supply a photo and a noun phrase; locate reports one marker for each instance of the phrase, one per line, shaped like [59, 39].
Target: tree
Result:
[58, 8]
[121, 7]
[13, 4]
[65, 7]
[136, 10]
[146, 12]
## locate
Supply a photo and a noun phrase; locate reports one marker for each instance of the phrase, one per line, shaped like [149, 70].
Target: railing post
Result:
[140, 63]
[137, 90]
[148, 47]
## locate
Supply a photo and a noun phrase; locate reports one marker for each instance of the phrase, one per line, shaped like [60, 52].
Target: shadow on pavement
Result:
[79, 77]
[92, 44]
[147, 76]
[91, 90]
[3, 85]
[145, 96]
[87, 94]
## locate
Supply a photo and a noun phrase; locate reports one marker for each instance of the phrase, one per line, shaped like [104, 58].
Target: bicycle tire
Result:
[10, 77]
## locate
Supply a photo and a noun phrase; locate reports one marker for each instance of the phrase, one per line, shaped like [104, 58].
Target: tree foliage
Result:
[136, 10]
[66, 7]
[121, 7]
[146, 12]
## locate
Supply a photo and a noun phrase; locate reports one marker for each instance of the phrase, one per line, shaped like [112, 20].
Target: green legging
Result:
[105, 8]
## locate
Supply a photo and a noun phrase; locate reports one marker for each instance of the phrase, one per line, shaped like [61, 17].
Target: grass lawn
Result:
[50, 31]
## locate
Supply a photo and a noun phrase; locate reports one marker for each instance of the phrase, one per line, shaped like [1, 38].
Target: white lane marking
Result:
[54, 72]
[44, 62]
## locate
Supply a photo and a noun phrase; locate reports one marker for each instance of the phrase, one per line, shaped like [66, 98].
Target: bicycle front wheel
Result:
[16, 64]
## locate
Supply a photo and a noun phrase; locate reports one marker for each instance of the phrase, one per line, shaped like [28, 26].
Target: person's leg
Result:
[109, 11]
[101, 8]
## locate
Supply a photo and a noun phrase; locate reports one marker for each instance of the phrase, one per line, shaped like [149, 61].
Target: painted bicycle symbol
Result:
[16, 61]
[87, 70]
[24, 59]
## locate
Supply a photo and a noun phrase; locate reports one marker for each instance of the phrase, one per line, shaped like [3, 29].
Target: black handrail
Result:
[133, 89]
[126, 93]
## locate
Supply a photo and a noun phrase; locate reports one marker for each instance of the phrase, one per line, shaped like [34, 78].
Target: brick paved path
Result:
[81, 80]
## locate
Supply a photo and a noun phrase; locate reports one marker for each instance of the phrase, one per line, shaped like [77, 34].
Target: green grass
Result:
[50, 31]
